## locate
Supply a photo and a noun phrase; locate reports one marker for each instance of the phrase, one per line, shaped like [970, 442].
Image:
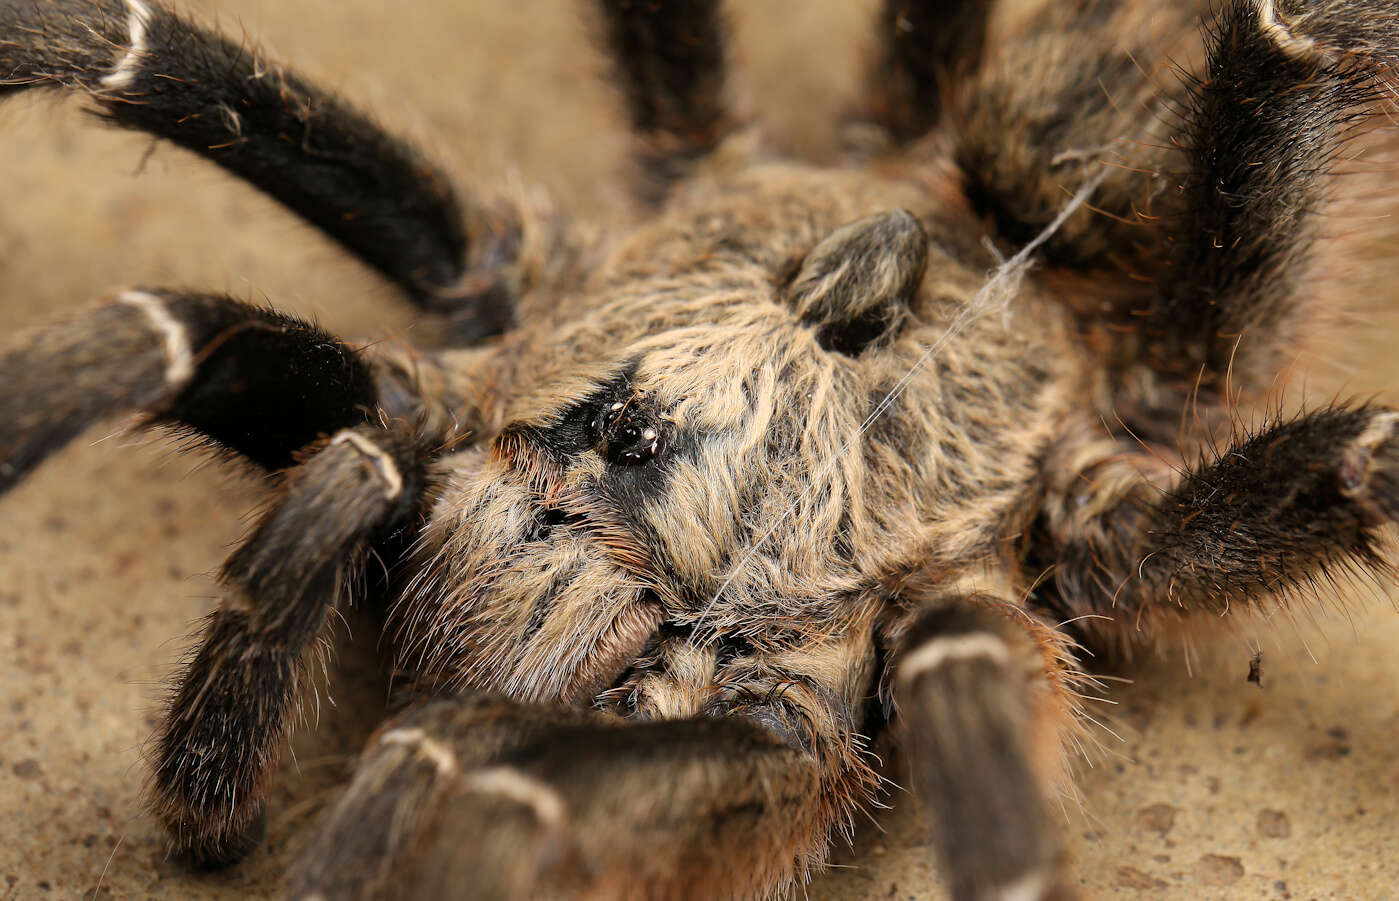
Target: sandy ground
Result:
[1216, 789]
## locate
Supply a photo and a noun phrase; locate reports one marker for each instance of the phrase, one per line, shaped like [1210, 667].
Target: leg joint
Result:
[380, 460]
[179, 353]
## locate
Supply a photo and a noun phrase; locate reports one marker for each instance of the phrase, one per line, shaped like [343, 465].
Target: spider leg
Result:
[251, 380]
[983, 697]
[148, 69]
[669, 58]
[1281, 83]
[1274, 515]
[924, 45]
[522, 801]
[246, 379]
[237, 696]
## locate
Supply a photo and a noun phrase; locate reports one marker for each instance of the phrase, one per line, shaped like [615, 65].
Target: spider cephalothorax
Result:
[679, 515]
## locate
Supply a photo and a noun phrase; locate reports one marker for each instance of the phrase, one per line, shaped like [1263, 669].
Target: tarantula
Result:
[677, 518]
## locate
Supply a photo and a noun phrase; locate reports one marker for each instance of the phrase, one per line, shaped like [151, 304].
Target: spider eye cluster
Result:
[626, 435]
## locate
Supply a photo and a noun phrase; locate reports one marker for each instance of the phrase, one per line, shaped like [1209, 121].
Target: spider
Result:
[703, 503]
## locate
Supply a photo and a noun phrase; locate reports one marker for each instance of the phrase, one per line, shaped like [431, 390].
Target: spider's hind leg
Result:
[924, 46]
[1281, 87]
[1269, 519]
[670, 62]
[1081, 87]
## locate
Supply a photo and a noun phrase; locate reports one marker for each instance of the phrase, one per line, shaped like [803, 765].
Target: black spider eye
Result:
[606, 418]
[635, 443]
[626, 436]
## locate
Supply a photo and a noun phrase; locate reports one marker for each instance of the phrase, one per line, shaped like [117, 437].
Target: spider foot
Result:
[207, 790]
[220, 847]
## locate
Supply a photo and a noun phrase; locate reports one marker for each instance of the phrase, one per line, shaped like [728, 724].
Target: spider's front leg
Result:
[273, 389]
[985, 695]
[251, 380]
[236, 699]
[144, 67]
[523, 801]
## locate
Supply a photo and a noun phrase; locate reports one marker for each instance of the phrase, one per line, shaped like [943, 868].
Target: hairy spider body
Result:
[698, 505]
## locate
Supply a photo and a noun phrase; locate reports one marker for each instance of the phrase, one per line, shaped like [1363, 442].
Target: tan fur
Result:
[792, 520]
[861, 408]
[786, 523]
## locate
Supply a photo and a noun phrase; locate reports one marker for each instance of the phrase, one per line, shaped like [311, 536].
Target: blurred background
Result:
[1212, 787]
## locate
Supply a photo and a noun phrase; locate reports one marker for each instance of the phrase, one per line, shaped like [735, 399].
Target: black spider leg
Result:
[670, 60]
[253, 381]
[973, 695]
[237, 698]
[924, 45]
[1275, 515]
[151, 70]
[1262, 126]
